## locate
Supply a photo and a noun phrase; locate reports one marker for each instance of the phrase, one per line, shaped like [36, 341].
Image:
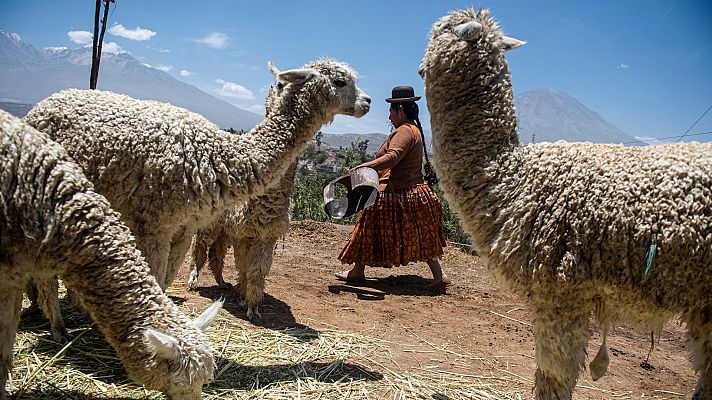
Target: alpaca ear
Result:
[468, 31]
[272, 69]
[207, 317]
[297, 76]
[162, 345]
[509, 43]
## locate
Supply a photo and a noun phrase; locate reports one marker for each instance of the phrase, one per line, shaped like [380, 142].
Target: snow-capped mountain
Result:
[28, 75]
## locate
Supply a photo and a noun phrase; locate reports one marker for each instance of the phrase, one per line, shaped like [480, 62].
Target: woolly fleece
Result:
[169, 171]
[52, 222]
[567, 225]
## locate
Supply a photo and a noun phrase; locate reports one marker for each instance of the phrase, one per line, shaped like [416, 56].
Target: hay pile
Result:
[253, 363]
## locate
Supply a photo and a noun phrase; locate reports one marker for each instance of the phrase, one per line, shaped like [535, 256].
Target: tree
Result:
[318, 138]
[98, 40]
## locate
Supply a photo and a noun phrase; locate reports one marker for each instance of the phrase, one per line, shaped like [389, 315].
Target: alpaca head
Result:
[331, 84]
[465, 43]
[180, 366]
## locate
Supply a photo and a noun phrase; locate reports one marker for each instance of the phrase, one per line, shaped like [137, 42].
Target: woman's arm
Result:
[400, 144]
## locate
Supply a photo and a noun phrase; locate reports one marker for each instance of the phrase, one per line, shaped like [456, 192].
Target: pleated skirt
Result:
[401, 227]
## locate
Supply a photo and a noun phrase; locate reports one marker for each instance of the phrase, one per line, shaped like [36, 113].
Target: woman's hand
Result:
[358, 166]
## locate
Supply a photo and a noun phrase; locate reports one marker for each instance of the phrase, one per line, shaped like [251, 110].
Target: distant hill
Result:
[28, 75]
[344, 140]
[15, 108]
[549, 116]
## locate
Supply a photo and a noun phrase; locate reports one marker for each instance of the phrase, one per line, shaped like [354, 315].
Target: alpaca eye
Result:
[339, 82]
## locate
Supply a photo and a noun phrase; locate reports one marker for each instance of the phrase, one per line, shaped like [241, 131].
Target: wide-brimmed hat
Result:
[402, 94]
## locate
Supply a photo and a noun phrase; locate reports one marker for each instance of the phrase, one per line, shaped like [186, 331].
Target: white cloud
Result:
[623, 66]
[231, 89]
[185, 72]
[112, 48]
[160, 67]
[215, 40]
[80, 37]
[138, 34]
[164, 51]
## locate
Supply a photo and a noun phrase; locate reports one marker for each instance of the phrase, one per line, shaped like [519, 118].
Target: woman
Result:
[405, 223]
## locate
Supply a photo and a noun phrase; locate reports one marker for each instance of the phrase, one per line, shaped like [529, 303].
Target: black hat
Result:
[403, 94]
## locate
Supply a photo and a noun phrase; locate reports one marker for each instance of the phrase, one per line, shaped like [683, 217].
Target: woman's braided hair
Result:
[411, 111]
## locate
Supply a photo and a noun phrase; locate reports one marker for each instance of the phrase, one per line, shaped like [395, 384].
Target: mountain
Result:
[549, 116]
[546, 114]
[28, 75]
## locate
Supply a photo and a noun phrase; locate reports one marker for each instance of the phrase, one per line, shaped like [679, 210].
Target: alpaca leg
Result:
[31, 292]
[240, 252]
[197, 262]
[216, 259]
[561, 333]
[156, 248]
[48, 296]
[10, 308]
[180, 244]
[699, 341]
[258, 264]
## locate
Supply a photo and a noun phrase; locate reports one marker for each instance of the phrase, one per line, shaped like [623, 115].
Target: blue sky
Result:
[645, 66]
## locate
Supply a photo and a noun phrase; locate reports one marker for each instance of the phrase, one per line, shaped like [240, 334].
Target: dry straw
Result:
[252, 363]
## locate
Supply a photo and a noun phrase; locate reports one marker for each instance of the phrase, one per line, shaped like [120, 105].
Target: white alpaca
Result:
[624, 233]
[252, 230]
[53, 223]
[169, 171]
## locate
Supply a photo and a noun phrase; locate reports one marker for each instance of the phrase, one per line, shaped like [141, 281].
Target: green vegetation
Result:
[320, 164]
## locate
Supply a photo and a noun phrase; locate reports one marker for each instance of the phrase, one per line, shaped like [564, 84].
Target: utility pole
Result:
[98, 40]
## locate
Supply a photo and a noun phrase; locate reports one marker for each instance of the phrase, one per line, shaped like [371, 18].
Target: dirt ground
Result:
[477, 328]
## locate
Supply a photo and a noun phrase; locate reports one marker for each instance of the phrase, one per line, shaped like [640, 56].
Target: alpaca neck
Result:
[116, 288]
[480, 129]
[474, 136]
[276, 142]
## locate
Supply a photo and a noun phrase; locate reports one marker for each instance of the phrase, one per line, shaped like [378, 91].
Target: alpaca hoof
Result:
[61, 336]
[253, 314]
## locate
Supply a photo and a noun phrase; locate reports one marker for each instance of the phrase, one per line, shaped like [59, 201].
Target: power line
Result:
[693, 125]
[671, 137]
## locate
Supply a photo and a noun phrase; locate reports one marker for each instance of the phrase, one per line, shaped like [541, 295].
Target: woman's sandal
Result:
[440, 287]
[344, 276]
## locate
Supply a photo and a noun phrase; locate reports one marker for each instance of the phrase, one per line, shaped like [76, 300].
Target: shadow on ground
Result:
[379, 288]
[276, 314]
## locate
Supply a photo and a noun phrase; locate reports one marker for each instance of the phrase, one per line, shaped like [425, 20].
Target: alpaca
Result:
[252, 229]
[575, 229]
[52, 222]
[169, 171]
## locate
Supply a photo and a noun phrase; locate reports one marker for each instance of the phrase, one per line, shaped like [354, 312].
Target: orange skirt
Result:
[401, 227]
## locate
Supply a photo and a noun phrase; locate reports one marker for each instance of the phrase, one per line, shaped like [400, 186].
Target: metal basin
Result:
[361, 191]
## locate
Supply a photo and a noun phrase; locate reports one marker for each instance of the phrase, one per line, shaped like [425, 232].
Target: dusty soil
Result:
[477, 328]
